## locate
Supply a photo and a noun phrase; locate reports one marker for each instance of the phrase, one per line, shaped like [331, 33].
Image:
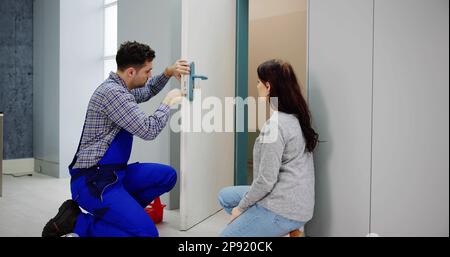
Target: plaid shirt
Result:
[113, 107]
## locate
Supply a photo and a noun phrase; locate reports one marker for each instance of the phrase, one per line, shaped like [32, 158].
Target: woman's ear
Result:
[268, 87]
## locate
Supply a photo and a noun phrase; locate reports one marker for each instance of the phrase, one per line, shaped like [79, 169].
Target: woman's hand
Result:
[234, 214]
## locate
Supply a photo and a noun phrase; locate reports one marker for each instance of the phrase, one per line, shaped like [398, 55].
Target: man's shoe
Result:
[71, 235]
[64, 222]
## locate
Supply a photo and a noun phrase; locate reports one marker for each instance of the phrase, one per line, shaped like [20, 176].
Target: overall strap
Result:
[79, 144]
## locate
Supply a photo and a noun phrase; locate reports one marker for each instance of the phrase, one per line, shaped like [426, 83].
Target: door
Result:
[206, 158]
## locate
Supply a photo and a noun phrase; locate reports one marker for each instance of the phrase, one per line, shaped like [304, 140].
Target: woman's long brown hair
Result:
[286, 88]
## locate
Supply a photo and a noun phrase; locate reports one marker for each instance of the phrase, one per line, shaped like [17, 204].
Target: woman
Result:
[281, 198]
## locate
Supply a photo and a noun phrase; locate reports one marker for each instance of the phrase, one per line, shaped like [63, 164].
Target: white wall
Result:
[68, 66]
[152, 23]
[46, 81]
[158, 24]
[81, 69]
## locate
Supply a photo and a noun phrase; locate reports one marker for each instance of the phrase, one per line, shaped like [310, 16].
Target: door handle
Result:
[192, 78]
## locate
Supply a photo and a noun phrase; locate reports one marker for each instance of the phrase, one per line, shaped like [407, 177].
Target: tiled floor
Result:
[29, 202]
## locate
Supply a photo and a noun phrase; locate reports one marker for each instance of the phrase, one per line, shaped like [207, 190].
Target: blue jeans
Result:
[257, 221]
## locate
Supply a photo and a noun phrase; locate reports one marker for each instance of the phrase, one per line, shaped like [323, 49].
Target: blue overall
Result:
[115, 194]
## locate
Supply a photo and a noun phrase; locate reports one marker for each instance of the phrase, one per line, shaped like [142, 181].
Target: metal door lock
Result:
[192, 78]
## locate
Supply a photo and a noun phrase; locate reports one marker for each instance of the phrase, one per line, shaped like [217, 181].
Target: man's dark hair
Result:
[133, 54]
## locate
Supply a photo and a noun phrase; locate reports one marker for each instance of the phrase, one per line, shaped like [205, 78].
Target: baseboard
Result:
[47, 168]
[18, 166]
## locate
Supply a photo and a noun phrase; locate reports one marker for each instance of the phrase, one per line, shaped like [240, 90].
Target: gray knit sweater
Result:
[283, 170]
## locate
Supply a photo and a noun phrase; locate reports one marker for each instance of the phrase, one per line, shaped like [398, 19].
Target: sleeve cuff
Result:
[241, 210]
[165, 76]
[242, 207]
[164, 108]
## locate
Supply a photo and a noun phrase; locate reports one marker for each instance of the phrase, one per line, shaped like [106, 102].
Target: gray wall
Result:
[410, 189]
[379, 98]
[158, 24]
[16, 77]
[340, 74]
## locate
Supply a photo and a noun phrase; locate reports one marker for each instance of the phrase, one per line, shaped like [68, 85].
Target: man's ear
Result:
[131, 72]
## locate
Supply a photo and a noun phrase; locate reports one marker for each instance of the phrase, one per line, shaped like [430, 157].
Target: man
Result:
[113, 193]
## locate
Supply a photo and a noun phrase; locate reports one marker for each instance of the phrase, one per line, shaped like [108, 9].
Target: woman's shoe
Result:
[296, 233]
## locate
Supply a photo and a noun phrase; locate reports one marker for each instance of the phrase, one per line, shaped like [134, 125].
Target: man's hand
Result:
[173, 97]
[181, 67]
[234, 214]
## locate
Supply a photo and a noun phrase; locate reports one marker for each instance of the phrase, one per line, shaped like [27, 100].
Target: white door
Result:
[207, 159]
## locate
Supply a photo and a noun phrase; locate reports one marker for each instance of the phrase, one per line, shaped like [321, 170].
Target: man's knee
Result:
[142, 226]
[171, 177]
[149, 230]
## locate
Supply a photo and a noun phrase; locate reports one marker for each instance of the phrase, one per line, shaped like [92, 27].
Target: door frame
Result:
[241, 138]
[242, 59]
